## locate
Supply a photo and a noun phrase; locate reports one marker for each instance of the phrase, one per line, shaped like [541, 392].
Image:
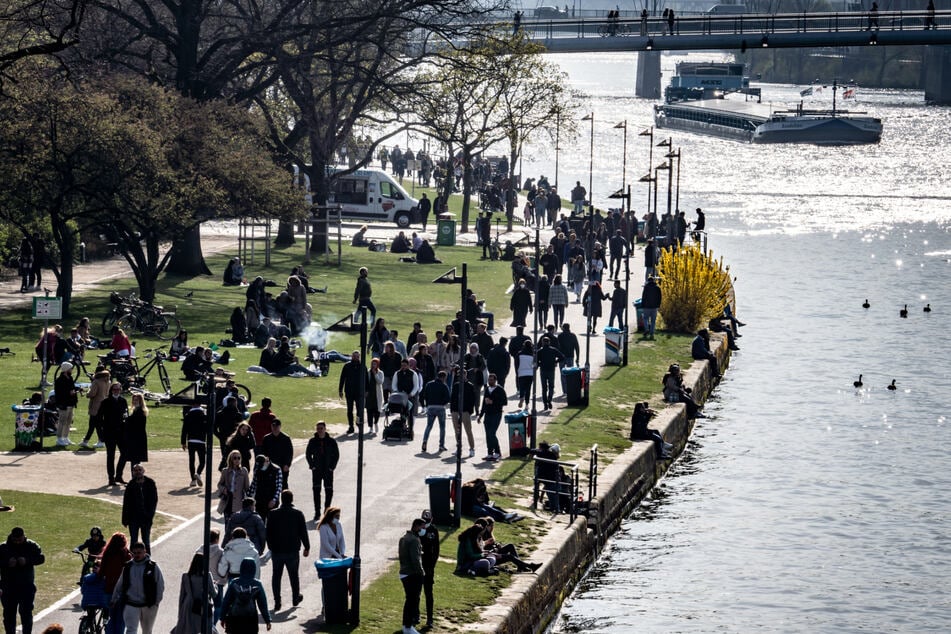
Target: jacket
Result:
[139, 502]
[98, 391]
[411, 555]
[234, 553]
[322, 453]
[651, 296]
[279, 449]
[252, 524]
[266, 486]
[287, 530]
[12, 577]
[468, 397]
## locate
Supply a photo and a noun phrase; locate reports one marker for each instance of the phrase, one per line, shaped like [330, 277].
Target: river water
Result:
[801, 503]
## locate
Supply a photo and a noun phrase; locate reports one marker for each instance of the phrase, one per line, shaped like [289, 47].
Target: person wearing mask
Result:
[139, 503]
[322, 456]
[332, 542]
[140, 589]
[412, 574]
[19, 557]
[266, 485]
[286, 534]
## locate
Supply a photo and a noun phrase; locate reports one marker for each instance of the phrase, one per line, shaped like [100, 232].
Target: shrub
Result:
[695, 287]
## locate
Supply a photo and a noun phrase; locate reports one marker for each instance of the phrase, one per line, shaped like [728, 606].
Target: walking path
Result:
[393, 491]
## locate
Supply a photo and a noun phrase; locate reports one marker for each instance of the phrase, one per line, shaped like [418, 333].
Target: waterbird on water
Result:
[866, 304]
[903, 312]
[927, 308]
[858, 383]
[891, 386]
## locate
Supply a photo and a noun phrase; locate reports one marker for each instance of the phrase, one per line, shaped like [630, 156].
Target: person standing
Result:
[266, 486]
[277, 446]
[135, 444]
[39, 259]
[617, 251]
[425, 206]
[363, 293]
[412, 574]
[429, 538]
[66, 400]
[286, 534]
[193, 436]
[138, 506]
[548, 358]
[191, 596]
[112, 413]
[578, 196]
[651, 298]
[140, 589]
[493, 402]
[332, 542]
[462, 411]
[18, 558]
[97, 393]
[618, 302]
[437, 395]
[244, 599]
[322, 456]
[25, 263]
[260, 422]
[349, 387]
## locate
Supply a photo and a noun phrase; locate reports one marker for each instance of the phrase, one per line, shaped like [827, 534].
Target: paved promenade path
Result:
[394, 490]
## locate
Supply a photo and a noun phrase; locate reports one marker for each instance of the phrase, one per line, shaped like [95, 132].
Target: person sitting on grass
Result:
[360, 238]
[426, 255]
[234, 273]
[471, 559]
[285, 362]
[502, 552]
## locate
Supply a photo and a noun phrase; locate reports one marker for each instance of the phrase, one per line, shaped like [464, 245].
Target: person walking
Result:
[252, 524]
[66, 401]
[322, 456]
[97, 393]
[193, 441]
[112, 414]
[437, 396]
[234, 482]
[592, 300]
[548, 358]
[425, 206]
[140, 589]
[277, 446]
[429, 538]
[651, 298]
[286, 534]
[19, 557]
[578, 196]
[412, 574]
[192, 601]
[266, 486]
[236, 551]
[351, 385]
[520, 304]
[363, 293]
[618, 299]
[461, 407]
[493, 402]
[244, 600]
[138, 506]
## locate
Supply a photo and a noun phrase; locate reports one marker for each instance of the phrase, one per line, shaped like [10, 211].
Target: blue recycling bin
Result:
[334, 577]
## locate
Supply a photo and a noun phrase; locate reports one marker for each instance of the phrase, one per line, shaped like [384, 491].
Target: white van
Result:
[727, 9]
[369, 194]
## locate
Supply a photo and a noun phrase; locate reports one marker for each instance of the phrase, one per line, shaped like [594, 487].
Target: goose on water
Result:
[866, 304]
[892, 386]
[903, 312]
[858, 383]
[927, 308]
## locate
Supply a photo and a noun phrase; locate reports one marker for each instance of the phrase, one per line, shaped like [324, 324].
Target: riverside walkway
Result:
[394, 490]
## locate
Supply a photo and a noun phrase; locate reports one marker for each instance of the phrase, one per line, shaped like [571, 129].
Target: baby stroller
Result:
[398, 405]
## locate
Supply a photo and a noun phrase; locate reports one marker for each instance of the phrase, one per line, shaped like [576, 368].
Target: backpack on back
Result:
[244, 601]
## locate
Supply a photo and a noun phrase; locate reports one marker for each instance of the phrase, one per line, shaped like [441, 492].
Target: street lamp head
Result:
[647, 132]
[621, 126]
[647, 178]
[663, 166]
[588, 117]
[672, 154]
[664, 143]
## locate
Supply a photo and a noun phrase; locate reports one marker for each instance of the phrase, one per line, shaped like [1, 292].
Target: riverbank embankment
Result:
[530, 603]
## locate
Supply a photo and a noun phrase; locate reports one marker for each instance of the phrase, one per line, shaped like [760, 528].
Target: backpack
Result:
[243, 605]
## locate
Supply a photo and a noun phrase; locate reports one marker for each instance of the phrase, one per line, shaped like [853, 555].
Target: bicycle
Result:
[94, 599]
[136, 316]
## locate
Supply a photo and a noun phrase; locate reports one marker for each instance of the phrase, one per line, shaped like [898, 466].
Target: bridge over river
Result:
[649, 36]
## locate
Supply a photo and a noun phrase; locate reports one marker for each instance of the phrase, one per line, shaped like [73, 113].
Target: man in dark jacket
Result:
[700, 350]
[548, 357]
[194, 434]
[138, 506]
[18, 557]
[493, 403]
[425, 207]
[279, 449]
[429, 537]
[498, 361]
[436, 393]
[363, 293]
[286, 533]
[617, 250]
[412, 573]
[266, 485]
[650, 303]
[248, 519]
[322, 457]
[520, 304]
[570, 350]
[349, 386]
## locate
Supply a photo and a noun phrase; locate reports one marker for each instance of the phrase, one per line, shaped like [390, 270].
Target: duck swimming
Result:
[927, 308]
[858, 383]
[891, 386]
[866, 304]
[903, 312]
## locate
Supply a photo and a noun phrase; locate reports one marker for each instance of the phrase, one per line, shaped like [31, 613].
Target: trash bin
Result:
[640, 314]
[518, 433]
[440, 498]
[334, 576]
[27, 430]
[445, 230]
[613, 340]
[574, 385]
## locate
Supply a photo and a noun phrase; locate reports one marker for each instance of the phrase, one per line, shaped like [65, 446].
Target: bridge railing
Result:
[740, 24]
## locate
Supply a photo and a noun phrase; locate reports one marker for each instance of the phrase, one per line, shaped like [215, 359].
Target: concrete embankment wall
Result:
[531, 602]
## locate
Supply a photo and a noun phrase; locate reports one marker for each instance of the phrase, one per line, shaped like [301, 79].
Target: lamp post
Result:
[590, 117]
[209, 453]
[676, 155]
[667, 143]
[357, 323]
[623, 126]
[535, 325]
[557, 144]
[649, 132]
[662, 166]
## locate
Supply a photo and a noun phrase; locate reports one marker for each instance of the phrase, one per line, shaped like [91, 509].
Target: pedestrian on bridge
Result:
[873, 17]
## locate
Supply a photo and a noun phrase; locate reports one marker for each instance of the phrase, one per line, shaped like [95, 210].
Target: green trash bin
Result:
[446, 232]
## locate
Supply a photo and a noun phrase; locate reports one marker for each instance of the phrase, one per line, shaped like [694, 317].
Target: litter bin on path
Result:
[519, 429]
[614, 338]
[445, 230]
[27, 429]
[334, 576]
[574, 385]
[440, 498]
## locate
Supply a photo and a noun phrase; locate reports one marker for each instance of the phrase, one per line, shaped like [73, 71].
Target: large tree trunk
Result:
[466, 188]
[64, 280]
[187, 258]
[285, 234]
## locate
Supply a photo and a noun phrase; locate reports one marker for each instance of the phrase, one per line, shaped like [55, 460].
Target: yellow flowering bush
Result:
[695, 287]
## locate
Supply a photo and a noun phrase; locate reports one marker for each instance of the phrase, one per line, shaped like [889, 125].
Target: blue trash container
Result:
[334, 576]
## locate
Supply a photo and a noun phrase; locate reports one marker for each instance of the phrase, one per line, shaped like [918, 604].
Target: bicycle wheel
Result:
[129, 324]
[245, 392]
[109, 322]
[87, 625]
[163, 377]
[167, 326]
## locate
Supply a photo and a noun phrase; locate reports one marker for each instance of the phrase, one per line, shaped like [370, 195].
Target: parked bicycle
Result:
[135, 316]
[128, 373]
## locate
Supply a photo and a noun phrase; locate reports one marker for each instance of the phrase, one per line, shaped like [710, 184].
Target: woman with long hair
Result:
[332, 543]
[135, 447]
[375, 402]
[242, 441]
[114, 558]
[192, 600]
[233, 485]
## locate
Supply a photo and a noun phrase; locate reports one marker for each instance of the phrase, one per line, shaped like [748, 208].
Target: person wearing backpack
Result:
[244, 599]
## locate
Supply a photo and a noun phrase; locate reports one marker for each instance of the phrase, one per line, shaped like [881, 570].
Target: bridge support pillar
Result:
[647, 83]
[937, 79]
